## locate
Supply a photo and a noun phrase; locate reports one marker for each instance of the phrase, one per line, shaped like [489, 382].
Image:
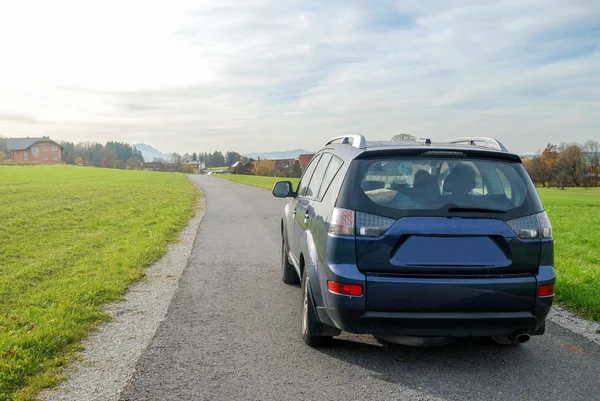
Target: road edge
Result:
[111, 352]
[586, 328]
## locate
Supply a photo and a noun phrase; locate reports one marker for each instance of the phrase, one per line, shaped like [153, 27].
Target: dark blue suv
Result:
[418, 240]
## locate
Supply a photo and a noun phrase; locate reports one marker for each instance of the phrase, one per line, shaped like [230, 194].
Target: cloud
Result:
[265, 74]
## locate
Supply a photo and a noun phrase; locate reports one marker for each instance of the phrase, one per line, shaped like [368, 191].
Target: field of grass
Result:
[72, 239]
[575, 217]
[258, 181]
[217, 168]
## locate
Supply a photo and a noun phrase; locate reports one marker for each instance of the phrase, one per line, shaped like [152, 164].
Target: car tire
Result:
[311, 327]
[288, 273]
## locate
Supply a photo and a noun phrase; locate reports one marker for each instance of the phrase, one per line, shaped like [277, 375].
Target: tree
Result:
[109, 159]
[175, 158]
[78, 161]
[194, 157]
[264, 167]
[404, 138]
[592, 152]
[216, 160]
[535, 169]
[135, 163]
[232, 157]
[569, 166]
[296, 170]
[2, 156]
[548, 158]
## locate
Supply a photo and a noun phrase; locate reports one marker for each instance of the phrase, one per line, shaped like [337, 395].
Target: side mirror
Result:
[283, 189]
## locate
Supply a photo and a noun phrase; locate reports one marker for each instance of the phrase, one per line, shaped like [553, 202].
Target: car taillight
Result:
[546, 290]
[355, 290]
[534, 226]
[342, 222]
[370, 225]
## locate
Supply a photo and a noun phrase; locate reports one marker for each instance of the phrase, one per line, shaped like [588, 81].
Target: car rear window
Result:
[420, 186]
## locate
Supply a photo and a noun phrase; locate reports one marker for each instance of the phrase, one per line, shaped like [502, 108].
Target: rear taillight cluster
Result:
[531, 227]
[349, 222]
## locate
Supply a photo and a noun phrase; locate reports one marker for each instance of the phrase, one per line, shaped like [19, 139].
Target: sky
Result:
[264, 75]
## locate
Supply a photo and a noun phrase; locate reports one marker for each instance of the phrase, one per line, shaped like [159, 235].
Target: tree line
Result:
[111, 155]
[566, 165]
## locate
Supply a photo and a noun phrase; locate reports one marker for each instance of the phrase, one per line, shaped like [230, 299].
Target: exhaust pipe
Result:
[523, 338]
[518, 337]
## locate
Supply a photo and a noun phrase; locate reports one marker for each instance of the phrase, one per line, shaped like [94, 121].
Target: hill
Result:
[150, 153]
[285, 154]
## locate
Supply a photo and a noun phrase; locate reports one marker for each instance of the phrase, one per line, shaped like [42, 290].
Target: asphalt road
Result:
[233, 333]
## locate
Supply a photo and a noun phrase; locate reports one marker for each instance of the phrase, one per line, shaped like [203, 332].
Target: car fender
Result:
[311, 260]
[285, 222]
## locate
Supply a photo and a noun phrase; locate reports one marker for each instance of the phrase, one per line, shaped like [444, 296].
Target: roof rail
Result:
[358, 141]
[472, 141]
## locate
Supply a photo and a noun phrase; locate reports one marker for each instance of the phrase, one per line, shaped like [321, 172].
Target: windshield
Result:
[398, 187]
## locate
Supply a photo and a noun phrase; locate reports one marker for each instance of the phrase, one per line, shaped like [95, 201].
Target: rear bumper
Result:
[469, 324]
[462, 308]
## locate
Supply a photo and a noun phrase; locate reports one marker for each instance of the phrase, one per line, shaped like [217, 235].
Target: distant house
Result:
[196, 165]
[284, 163]
[34, 150]
[304, 159]
[243, 166]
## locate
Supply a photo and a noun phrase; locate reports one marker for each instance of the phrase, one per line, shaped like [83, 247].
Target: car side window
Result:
[332, 169]
[307, 175]
[317, 178]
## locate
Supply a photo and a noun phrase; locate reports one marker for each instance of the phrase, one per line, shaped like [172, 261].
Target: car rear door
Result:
[300, 207]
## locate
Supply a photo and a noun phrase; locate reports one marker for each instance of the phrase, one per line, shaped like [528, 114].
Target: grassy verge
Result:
[575, 217]
[217, 168]
[72, 239]
[258, 181]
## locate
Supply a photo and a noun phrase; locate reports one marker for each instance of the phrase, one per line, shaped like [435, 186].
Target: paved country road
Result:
[233, 333]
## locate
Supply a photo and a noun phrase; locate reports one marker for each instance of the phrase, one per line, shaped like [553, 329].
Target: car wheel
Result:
[288, 273]
[310, 323]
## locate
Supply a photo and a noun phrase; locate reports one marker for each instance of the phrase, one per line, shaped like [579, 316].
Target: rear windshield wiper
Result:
[471, 209]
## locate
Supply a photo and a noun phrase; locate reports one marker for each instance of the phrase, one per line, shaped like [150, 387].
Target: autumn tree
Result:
[78, 161]
[548, 158]
[264, 167]
[535, 168]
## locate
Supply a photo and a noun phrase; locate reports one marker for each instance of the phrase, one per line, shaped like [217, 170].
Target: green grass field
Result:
[575, 217]
[217, 168]
[72, 239]
[258, 181]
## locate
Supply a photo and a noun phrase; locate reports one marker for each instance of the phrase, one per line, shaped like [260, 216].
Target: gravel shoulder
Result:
[111, 351]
